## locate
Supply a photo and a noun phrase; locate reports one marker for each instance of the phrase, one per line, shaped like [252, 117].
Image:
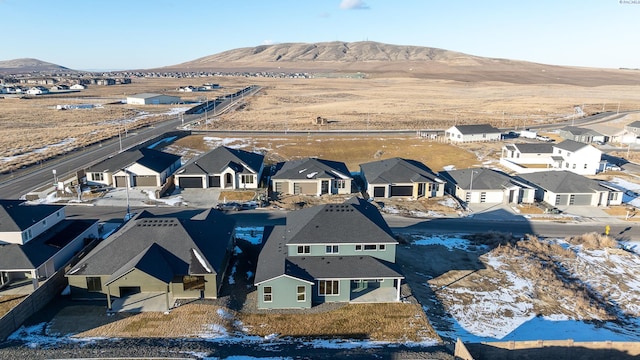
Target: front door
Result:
[324, 187]
[228, 180]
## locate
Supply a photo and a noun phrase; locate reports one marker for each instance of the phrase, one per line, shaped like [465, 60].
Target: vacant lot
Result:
[353, 150]
[32, 130]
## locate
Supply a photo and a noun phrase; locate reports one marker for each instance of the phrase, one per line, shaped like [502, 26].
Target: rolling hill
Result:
[378, 59]
[30, 65]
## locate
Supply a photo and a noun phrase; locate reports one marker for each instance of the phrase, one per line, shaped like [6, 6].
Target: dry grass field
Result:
[8, 302]
[32, 130]
[351, 149]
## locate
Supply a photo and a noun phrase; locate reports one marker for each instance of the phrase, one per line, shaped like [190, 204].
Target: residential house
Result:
[569, 155]
[152, 99]
[77, 87]
[397, 177]
[168, 255]
[328, 253]
[37, 90]
[59, 87]
[135, 167]
[484, 185]
[473, 133]
[562, 188]
[580, 134]
[634, 128]
[612, 134]
[311, 176]
[37, 240]
[222, 168]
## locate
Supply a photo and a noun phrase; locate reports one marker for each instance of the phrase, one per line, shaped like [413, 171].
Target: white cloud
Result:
[353, 5]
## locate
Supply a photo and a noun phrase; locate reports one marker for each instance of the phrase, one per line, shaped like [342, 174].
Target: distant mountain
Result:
[30, 65]
[386, 60]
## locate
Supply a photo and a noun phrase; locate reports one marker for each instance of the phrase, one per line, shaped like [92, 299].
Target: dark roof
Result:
[153, 159]
[575, 130]
[273, 262]
[476, 129]
[218, 159]
[311, 168]
[355, 221]
[41, 248]
[162, 245]
[16, 215]
[563, 182]
[397, 170]
[635, 124]
[483, 179]
[570, 145]
[542, 148]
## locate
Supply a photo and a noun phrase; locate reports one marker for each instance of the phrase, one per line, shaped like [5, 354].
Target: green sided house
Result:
[328, 253]
[168, 255]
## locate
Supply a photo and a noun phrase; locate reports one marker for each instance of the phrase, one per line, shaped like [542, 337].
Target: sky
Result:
[139, 34]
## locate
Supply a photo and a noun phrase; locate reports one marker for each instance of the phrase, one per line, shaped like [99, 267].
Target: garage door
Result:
[120, 181]
[402, 190]
[583, 199]
[190, 182]
[145, 180]
[378, 191]
[214, 181]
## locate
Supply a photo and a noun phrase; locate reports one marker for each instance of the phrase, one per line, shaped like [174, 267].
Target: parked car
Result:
[612, 167]
[229, 206]
[543, 138]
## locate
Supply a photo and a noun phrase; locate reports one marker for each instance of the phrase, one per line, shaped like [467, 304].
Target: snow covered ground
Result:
[507, 312]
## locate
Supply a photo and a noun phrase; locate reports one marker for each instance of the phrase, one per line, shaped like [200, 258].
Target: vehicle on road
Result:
[543, 138]
[229, 206]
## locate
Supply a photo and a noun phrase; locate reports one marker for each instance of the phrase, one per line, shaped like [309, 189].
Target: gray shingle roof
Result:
[218, 159]
[311, 168]
[150, 158]
[575, 130]
[477, 129]
[483, 179]
[635, 124]
[543, 148]
[397, 170]
[16, 215]
[273, 262]
[563, 182]
[155, 242]
[144, 95]
[40, 249]
[355, 221]
[570, 145]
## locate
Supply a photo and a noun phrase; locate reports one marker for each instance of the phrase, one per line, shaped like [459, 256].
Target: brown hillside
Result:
[385, 60]
[28, 65]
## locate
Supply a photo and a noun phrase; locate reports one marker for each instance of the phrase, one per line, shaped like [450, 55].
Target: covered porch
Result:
[375, 290]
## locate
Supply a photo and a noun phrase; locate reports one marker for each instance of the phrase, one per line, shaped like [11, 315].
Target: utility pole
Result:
[120, 139]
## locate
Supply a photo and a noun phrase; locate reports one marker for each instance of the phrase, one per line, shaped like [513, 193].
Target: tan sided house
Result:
[311, 176]
[398, 177]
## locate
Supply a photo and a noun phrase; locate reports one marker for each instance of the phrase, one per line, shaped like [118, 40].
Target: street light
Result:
[126, 186]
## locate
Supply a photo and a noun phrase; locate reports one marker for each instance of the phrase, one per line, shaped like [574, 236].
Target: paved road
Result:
[399, 224]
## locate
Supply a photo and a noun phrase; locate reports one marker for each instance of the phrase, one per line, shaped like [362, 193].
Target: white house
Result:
[77, 87]
[473, 133]
[565, 188]
[37, 90]
[152, 99]
[484, 185]
[568, 155]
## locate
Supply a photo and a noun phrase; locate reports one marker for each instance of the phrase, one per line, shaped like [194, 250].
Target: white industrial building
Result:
[152, 99]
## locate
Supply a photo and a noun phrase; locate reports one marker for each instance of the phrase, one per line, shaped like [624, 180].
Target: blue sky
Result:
[119, 34]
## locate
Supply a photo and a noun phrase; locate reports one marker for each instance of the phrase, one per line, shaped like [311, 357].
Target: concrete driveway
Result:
[141, 302]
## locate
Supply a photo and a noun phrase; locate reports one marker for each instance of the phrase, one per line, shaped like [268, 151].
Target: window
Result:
[328, 287]
[246, 179]
[572, 199]
[483, 197]
[267, 295]
[306, 249]
[358, 247]
[467, 197]
[382, 247]
[301, 293]
[370, 247]
[58, 214]
[44, 222]
[193, 282]
[340, 184]
[557, 200]
[585, 166]
[331, 249]
[98, 176]
[613, 196]
[566, 165]
[94, 284]
[574, 166]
